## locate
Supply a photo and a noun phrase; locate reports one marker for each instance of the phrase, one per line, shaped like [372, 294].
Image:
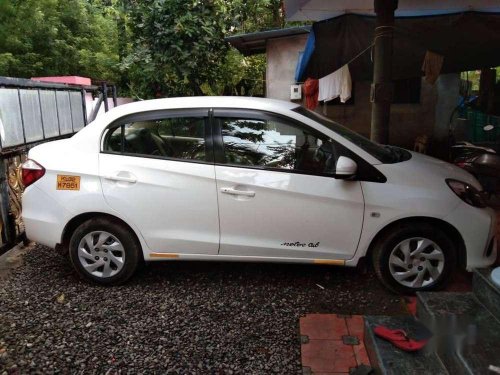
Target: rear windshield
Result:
[386, 154]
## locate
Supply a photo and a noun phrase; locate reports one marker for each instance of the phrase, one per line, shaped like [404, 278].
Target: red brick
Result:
[328, 356]
[356, 326]
[360, 354]
[323, 327]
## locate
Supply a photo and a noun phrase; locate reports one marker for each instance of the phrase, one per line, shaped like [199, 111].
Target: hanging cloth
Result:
[311, 93]
[336, 84]
[432, 66]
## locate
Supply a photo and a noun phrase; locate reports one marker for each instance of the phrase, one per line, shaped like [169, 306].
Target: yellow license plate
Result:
[68, 182]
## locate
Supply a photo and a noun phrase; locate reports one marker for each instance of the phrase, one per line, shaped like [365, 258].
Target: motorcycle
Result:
[482, 162]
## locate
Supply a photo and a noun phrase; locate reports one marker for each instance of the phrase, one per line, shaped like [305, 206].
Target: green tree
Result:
[248, 73]
[58, 37]
[178, 47]
[256, 15]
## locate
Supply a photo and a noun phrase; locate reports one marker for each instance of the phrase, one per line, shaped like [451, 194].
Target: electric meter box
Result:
[295, 92]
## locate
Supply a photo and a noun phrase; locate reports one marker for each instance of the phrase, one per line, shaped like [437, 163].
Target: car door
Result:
[157, 171]
[278, 196]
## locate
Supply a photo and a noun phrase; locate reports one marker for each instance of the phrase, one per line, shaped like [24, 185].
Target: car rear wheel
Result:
[104, 251]
[414, 257]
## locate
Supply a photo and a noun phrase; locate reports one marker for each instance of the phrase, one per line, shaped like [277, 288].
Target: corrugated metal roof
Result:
[255, 43]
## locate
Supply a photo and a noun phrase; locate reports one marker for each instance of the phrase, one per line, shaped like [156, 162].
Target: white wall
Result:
[282, 56]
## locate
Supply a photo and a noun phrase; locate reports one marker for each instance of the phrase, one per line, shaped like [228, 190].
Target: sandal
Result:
[399, 339]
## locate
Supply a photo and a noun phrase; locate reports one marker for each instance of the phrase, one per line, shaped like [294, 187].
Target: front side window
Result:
[176, 137]
[276, 144]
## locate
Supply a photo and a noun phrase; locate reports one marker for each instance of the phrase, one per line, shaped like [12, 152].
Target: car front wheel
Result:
[104, 251]
[414, 257]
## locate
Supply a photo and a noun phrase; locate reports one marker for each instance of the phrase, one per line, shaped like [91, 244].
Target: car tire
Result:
[104, 251]
[430, 260]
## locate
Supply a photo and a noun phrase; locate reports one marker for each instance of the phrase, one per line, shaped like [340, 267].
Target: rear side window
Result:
[276, 144]
[174, 137]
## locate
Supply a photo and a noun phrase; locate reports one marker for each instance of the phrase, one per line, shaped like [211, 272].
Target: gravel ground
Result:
[186, 317]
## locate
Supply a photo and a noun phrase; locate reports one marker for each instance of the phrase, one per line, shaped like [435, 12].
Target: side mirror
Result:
[345, 168]
[488, 127]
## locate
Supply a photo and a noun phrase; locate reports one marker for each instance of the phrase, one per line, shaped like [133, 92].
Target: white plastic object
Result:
[295, 92]
[495, 276]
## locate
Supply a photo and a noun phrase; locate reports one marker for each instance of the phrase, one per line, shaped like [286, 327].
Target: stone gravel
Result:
[182, 317]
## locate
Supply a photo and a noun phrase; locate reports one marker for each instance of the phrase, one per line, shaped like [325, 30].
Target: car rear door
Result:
[277, 193]
[157, 171]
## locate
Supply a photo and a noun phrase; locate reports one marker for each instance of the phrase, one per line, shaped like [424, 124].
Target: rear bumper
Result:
[43, 217]
[477, 227]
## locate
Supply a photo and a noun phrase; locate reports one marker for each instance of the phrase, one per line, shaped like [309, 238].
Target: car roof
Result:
[203, 102]
[85, 138]
[188, 102]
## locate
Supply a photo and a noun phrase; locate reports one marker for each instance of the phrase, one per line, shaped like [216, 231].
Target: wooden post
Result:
[382, 86]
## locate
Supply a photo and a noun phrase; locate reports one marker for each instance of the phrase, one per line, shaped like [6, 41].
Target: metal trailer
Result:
[31, 113]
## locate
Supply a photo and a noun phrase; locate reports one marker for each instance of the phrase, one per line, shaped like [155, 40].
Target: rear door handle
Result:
[118, 178]
[232, 191]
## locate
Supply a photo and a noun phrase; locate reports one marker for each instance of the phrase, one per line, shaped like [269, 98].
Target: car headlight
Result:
[466, 192]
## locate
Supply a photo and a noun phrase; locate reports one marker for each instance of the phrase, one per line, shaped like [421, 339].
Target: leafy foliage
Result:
[177, 46]
[58, 37]
[179, 49]
[151, 48]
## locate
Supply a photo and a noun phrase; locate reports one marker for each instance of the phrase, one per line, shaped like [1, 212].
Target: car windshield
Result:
[386, 154]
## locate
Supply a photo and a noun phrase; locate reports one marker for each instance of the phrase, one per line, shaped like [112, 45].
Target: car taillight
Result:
[31, 172]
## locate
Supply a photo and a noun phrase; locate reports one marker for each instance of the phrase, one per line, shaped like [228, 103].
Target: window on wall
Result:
[276, 144]
[407, 91]
[177, 137]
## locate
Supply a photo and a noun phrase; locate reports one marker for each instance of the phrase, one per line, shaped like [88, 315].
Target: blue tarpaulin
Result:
[304, 57]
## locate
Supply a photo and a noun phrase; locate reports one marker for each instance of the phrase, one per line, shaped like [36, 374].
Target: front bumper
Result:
[477, 226]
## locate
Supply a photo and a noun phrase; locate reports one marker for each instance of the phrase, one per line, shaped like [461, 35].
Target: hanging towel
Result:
[336, 84]
[432, 66]
[311, 93]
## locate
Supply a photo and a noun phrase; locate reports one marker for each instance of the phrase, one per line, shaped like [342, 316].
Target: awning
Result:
[468, 41]
[318, 10]
[254, 43]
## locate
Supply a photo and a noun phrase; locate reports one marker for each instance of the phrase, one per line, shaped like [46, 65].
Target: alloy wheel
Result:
[101, 254]
[416, 262]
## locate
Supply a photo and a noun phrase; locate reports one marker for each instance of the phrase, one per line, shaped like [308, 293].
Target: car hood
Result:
[425, 171]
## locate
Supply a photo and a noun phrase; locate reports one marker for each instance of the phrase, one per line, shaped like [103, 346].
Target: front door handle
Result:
[118, 178]
[232, 191]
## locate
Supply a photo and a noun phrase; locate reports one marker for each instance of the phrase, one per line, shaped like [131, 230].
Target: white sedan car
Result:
[247, 179]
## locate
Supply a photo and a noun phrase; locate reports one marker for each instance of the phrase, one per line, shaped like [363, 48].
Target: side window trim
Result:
[158, 115]
[372, 174]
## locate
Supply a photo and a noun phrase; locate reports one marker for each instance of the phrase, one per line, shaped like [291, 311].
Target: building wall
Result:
[408, 121]
[282, 55]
